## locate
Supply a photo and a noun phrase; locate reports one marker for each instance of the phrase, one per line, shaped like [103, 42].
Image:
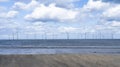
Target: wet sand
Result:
[60, 60]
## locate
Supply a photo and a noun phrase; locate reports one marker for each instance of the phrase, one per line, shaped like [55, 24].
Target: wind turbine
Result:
[9, 37]
[85, 35]
[112, 35]
[13, 36]
[53, 36]
[100, 35]
[45, 35]
[17, 35]
[67, 35]
[35, 36]
[27, 36]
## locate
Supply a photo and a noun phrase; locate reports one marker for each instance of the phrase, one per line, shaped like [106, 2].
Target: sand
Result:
[60, 60]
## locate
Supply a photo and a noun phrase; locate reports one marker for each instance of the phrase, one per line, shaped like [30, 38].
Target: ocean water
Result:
[60, 46]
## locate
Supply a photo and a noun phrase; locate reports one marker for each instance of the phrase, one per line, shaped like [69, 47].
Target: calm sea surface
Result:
[60, 46]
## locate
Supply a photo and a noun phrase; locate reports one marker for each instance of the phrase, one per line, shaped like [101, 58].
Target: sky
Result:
[33, 18]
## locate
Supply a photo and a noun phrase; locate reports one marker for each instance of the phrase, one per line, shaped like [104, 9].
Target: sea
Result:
[60, 46]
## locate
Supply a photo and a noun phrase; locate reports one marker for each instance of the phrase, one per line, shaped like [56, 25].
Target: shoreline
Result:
[60, 60]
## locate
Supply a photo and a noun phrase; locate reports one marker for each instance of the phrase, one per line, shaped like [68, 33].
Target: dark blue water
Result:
[107, 46]
[62, 42]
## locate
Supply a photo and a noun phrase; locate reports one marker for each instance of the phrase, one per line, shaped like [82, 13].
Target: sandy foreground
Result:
[60, 60]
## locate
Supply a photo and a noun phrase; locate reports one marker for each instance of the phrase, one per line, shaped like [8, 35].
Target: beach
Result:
[60, 60]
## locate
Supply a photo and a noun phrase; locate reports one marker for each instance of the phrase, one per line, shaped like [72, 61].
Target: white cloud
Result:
[35, 3]
[91, 12]
[113, 13]
[51, 12]
[9, 26]
[105, 13]
[60, 3]
[57, 10]
[19, 5]
[24, 6]
[2, 15]
[115, 24]
[96, 5]
[37, 27]
[10, 14]
[68, 29]
[2, 8]
[108, 27]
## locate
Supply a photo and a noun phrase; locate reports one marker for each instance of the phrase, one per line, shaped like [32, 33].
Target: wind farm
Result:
[59, 33]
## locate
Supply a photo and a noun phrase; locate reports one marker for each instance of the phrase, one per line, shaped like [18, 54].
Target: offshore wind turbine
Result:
[27, 36]
[17, 35]
[35, 36]
[9, 37]
[45, 35]
[112, 35]
[13, 36]
[78, 36]
[100, 35]
[85, 35]
[53, 36]
[67, 35]
[93, 36]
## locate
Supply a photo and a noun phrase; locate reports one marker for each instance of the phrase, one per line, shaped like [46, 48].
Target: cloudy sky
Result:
[58, 16]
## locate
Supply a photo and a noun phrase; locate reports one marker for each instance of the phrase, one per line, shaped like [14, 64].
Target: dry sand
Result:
[60, 60]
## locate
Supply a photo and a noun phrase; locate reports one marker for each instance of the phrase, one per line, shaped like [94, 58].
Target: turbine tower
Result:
[17, 35]
[13, 36]
[85, 35]
[67, 34]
